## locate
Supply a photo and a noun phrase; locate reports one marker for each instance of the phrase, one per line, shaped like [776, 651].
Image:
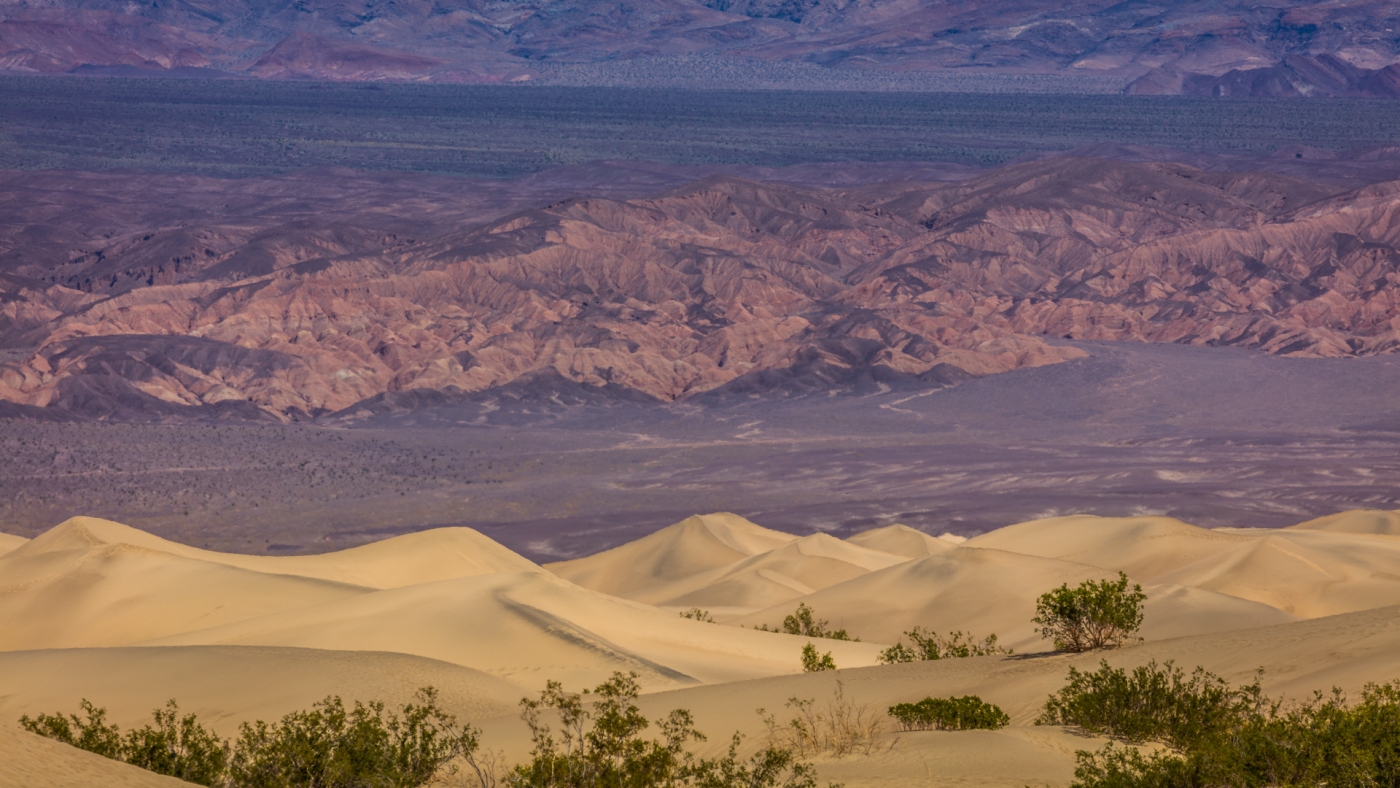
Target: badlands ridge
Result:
[95, 609]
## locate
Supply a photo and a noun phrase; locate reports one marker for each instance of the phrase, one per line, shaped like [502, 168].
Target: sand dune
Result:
[1146, 548]
[9, 542]
[71, 587]
[989, 591]
[1378, 522]
[229, 685]
[694, 545]
[901, 540]
[796, 569]
[528, 628]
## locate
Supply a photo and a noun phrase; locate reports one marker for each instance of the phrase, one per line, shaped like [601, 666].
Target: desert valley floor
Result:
[99, 610]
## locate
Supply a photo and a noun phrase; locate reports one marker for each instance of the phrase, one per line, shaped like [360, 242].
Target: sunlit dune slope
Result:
[795, 569]
[901, 540]
[528, 628]
[229, 685]
[1378, 522]
[989, 591]
[694, 545]
[10, 542]
[94, 583]
[31, 761]
[1332, 565]
[1146, 548]
[1346, 651]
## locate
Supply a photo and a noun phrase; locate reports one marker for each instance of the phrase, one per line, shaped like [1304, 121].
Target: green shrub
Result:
[949, 714]
[327, 747]
[696, 614]
[1150, 703]
[1242, 739]
[812, 662]
[601, 745]
[338, 747]
[92, 734]
[1097, 614]
[931, 645]
[175, 746]
[804, 622]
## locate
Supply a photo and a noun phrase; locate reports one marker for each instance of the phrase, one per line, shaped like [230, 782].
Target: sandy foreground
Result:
[95, 609]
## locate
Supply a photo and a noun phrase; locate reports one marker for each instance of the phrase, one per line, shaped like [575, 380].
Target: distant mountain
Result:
[248, 299]
[1208, 47]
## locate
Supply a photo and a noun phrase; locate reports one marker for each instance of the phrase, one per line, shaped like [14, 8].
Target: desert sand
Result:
[95, 609]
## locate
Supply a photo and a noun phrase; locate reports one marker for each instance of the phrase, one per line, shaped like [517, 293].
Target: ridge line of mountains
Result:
[1232, 48]
[247, 300]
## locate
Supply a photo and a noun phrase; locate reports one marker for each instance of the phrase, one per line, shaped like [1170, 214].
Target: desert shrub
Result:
[1150, 703]
[931, 645]
[1097, 614]
[328, 746]
[1243, 739]
[334, 746]
[600, 744]
[838, 727]
[696, 614]
[804, 622]
[771, 767]
[175, 746]
[949, 714]
[813, 662]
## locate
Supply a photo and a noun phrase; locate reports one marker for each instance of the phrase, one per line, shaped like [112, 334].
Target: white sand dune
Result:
[71, 587]
[528, 628]
[9, 542]
[901, 540]
[1377, 522]
[795, 569]
[694, 545]
[987, 591]
[99, 610]
[229, 685]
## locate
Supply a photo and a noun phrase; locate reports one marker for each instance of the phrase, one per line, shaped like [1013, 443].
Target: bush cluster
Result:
[600, 743]
[804, 622]
[927, 645]
[949, 714]
[1158, 703]
[174, 745]
[1097, 614]
[839, 726]
[1218, 735]
[814, 661]
[328, 746]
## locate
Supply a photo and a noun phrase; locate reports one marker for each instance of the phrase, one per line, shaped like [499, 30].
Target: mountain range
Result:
[187, 295]
[1286, 48]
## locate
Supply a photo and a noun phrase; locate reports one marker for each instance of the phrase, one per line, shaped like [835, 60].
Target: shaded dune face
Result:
[723, 286]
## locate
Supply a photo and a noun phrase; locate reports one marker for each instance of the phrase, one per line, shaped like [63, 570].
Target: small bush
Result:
[949, 714]
[931, 645]
[696, 614]
[804, 622]
[1151, 703]
[1097, 614]
[812, 662]
[91, 733]
[838, 727]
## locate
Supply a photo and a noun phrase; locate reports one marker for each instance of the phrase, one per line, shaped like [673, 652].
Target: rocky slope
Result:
[272, 308]
[1186, 47]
